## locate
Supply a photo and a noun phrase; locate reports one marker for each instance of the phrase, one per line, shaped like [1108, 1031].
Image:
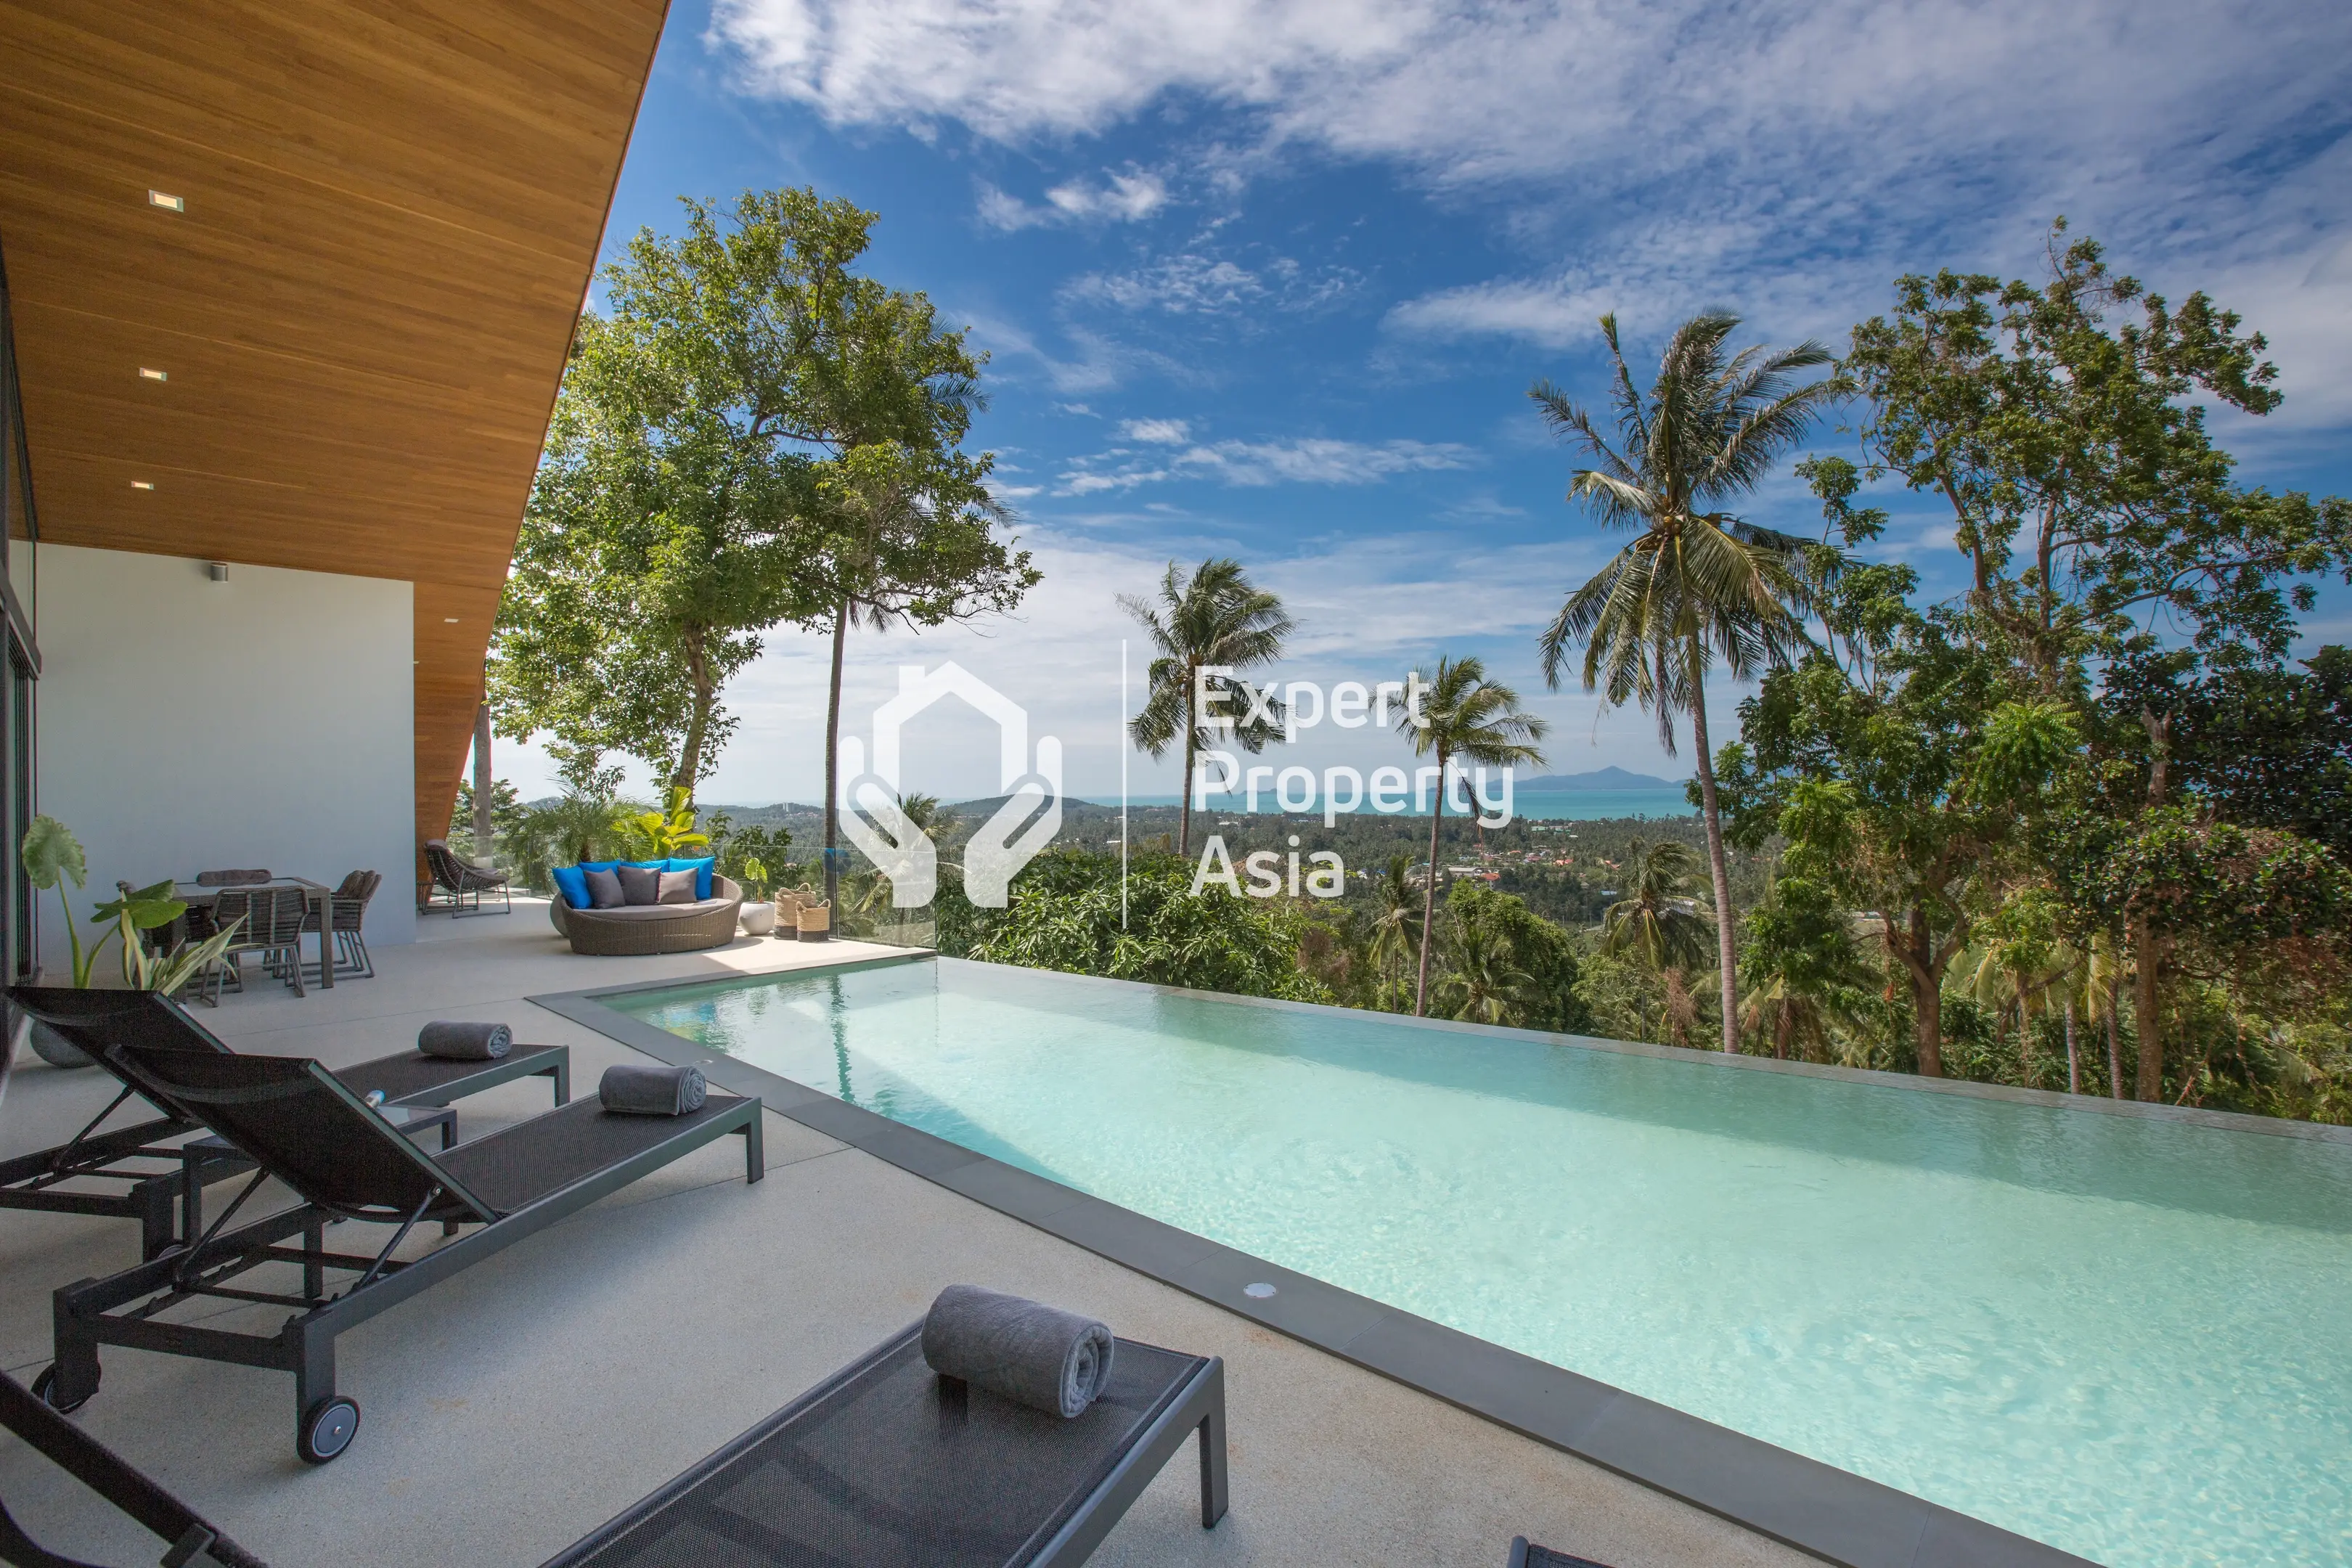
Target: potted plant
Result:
[759, 914]
[52, 857]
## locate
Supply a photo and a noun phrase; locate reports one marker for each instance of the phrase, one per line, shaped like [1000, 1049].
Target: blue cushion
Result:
[701, 869]
[572, 882]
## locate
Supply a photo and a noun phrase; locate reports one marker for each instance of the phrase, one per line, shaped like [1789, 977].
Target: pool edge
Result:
[1830, 1513]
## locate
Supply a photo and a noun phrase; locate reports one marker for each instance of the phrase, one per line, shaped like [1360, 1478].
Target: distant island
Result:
[1606, 778]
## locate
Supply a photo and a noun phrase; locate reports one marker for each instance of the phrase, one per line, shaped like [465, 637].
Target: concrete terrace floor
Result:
[511, 1409]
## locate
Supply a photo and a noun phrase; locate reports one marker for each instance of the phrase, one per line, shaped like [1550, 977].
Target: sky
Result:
[1273, 281]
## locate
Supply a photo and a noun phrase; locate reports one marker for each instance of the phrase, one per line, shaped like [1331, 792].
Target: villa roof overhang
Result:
[388, 217]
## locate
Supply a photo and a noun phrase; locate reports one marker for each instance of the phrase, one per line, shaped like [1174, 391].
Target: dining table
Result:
[319, 895]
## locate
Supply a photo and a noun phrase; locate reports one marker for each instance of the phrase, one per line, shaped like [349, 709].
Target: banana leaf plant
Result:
[658, 835]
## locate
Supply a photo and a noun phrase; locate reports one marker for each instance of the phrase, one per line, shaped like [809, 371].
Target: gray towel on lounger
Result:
[464, 1042]
[632, 1090]
[1031, 1353]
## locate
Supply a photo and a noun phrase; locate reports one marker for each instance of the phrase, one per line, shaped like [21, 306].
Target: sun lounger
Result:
[147, 1180]
[192, 1542]
[886, 1464]
[296, 1121]
[1525, 1554]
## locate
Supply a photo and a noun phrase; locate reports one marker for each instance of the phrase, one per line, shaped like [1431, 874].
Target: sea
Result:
[1535, 805]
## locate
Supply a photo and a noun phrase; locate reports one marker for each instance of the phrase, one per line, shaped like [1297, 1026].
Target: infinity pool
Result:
[2126, 1337]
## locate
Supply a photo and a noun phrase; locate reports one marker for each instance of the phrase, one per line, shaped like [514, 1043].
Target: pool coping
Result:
[1830, 1513]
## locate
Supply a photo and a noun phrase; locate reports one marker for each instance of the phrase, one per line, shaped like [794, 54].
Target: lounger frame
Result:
[1197, 1409]
[119, 1308]
[167, 1203]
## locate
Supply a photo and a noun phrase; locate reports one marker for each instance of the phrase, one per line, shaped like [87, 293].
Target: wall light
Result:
[150, 374]
[142, 484]
[449, 620]
[216, 569]
[171, 203]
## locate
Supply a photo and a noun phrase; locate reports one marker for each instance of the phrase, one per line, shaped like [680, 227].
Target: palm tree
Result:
[1802, 970]
[1697, 585]
[1396, 928]
[1463, 717]
[1656, 920]
[1217, 619]
[1485, 983]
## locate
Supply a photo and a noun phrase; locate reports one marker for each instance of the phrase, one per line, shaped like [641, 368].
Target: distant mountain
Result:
[1606, 778]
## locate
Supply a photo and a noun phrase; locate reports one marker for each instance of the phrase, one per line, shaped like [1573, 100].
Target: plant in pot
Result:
[759, 916]
[52, 857]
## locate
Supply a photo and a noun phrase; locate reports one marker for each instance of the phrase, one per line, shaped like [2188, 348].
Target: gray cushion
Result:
[677, 887]
[663, 911]
[604, 891]
[640, 884]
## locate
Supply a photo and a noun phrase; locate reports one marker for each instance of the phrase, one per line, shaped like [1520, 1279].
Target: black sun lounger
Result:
[298, 1123]
[191, 1542]
[155, 1183]
[887, 1465]
[1526, 1554]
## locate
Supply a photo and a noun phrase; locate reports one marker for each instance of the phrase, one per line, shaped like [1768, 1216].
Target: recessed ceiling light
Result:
[158, 199]
[142, 484]
[152, 373]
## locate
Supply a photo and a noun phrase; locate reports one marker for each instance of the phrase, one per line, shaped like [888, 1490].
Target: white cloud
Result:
[1128, 197]
[1312, 460]
[1194, 283]
[1157, 432]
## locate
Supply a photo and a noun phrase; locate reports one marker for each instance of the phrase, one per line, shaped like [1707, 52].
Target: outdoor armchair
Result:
[136, 1175]
[344, 1160]
[462, 883]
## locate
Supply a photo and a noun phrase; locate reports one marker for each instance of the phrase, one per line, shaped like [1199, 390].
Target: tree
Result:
[1463, 717]
[655, 547]
[1509, 966]
[1206, 630]
[1696, 584]
[856, 400]
[1065, 914]
[1396, 926]
[1800, 966]
[1655, 919]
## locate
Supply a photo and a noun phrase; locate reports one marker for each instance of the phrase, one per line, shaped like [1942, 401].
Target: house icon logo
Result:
[1024, 824]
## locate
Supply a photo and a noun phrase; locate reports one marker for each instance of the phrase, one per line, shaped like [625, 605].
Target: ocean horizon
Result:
[1535, 805]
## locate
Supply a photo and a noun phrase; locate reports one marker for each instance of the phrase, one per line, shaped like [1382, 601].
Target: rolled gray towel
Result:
[464, 1042]
[632, 1090]
[1031, 1353]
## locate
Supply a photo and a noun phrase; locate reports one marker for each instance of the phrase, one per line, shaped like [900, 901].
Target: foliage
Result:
[1462, 717]
[1506, 965]
[52, 857]
[1696, 584]
[1206, 630]
[1656, 921]
[753, 857]
[573, 828]
[663, 833]
[507, 813]
[1066, 915]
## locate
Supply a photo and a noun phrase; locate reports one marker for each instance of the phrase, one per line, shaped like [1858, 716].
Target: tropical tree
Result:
[1483, 983]
[1656, 919]
[1463, 717]
[1206, 629]
[1802, 969]
[1695, 587]
[1396, 926]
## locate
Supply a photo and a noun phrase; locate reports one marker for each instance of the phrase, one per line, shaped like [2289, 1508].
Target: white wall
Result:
[187, 724]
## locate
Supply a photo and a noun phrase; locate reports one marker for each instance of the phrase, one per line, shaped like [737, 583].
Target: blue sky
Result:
[1272, 280]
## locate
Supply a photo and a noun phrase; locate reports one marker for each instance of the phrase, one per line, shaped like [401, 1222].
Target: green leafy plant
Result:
[658, 835]
[755, 880]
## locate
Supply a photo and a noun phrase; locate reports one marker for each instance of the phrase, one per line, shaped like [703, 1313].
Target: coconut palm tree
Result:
[1802, 969]
[1216, 620]
[1695, 587]
[1483, 984]
[1656, 920]
[1463, 717]
[1396, 925]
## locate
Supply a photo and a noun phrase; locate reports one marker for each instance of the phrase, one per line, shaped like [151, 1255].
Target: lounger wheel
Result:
[326, 1429]
[46, 1385]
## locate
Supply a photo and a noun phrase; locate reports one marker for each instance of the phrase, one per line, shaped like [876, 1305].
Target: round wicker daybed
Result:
[652, 928]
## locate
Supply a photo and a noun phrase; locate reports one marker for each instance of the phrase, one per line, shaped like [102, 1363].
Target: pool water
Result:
[2129, 1338]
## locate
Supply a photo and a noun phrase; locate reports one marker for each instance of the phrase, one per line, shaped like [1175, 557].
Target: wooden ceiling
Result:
[392, 210]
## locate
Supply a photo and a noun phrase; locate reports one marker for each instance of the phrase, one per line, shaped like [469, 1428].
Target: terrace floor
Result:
[512, 1408]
